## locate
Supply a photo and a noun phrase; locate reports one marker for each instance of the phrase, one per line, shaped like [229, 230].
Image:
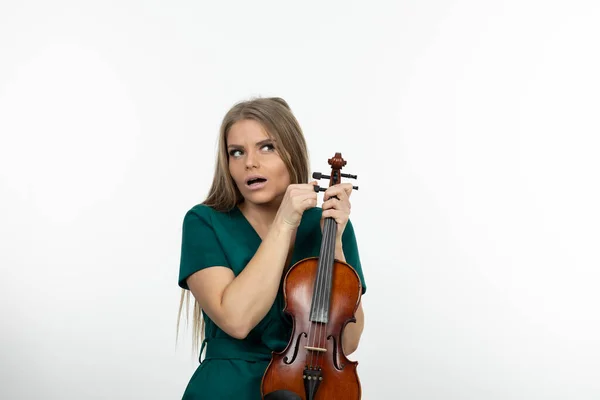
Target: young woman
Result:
[260, 218]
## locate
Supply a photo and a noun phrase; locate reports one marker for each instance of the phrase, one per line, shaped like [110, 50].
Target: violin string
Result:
[315, 304]
[320, 290]
[329, 276]
[322, 330]
[310, 340]
[314, 357]
[317, 297]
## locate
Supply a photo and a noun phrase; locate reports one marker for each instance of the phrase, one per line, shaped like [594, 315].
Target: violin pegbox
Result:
[337, 163]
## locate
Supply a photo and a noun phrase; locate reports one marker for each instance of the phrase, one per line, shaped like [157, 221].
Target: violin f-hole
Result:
[296, 347]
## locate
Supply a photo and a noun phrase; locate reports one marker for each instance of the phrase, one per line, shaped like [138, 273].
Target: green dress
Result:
[233, 368]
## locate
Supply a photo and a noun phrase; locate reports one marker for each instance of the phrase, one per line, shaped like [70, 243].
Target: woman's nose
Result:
[251, 160]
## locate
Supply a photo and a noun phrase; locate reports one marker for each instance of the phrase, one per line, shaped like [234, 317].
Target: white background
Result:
[473, 129]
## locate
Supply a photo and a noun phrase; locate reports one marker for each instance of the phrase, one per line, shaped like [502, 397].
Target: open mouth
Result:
[255, 182]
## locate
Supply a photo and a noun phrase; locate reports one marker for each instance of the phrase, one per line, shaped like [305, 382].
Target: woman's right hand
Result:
[297, 199]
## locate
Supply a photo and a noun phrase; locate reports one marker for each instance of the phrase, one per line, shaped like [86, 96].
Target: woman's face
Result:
[252, 153]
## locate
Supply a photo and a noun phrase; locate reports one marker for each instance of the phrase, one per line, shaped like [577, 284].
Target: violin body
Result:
[314, 355]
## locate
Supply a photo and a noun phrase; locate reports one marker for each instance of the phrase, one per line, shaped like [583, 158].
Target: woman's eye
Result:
[238, 152]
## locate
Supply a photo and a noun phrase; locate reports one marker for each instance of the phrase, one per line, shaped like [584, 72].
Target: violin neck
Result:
[319, 311]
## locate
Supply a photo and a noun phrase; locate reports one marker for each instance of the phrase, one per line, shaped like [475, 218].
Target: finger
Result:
[340, 196]
[346, 187]
[339, 215]
[340, 190]
[333, 192]
[303, 187]
[308, 185]
[334, 203]
[331, 203]
[332, 212]
[311, 186]
[307, 200]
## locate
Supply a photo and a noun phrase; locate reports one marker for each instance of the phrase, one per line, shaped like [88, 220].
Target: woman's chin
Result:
[263, 199]
[258, 197]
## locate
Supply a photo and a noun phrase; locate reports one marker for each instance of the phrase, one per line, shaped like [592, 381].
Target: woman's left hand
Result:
[339, 208]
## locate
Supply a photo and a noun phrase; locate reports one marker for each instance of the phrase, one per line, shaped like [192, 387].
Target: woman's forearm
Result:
[251, 294]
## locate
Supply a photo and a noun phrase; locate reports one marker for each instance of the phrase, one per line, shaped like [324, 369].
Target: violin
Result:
[321, 295]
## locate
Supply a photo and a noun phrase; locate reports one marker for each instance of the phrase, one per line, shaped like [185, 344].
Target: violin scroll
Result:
[337, 163]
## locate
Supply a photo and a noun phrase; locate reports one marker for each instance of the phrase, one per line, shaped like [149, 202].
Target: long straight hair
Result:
[276, 117]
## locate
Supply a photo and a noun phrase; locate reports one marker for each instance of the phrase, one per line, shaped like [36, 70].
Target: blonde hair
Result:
[276, 116]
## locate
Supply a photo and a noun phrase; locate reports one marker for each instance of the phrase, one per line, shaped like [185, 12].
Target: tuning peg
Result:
[318, 175]
[349, 176]
[318, 188]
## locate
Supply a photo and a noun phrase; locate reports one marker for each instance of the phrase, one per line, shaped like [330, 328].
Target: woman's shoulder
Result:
[201, 209]
[205, 212]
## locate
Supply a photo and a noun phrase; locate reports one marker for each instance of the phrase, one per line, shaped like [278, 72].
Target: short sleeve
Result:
[200, 247]
[350, 247]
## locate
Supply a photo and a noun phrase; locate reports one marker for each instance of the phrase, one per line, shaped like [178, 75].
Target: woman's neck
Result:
[261, 216]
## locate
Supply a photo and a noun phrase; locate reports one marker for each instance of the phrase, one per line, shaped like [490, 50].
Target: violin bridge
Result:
[316, 349]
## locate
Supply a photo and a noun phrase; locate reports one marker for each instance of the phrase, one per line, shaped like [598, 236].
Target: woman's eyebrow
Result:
[258, 144]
